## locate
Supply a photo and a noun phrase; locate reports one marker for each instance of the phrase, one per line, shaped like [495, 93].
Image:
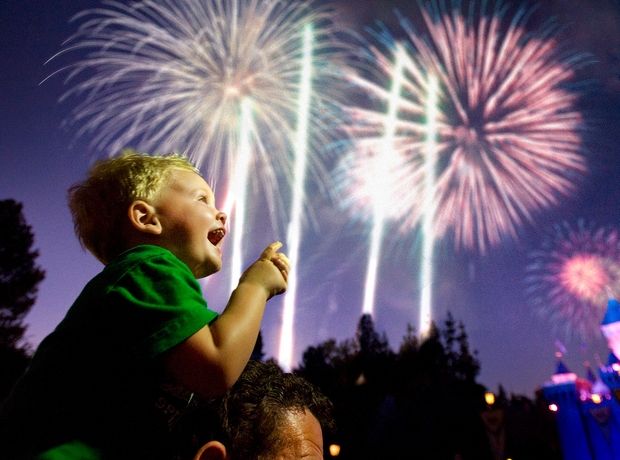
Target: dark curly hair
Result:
[250, 417]
[254, 410]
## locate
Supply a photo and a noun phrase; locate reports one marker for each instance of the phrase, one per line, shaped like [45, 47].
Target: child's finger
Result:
[284, 258]
[271, 250]
[281, 262]
[283, 270]
[281, 259]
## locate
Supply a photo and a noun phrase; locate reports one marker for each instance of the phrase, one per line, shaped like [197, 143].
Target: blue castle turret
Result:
[588, 410]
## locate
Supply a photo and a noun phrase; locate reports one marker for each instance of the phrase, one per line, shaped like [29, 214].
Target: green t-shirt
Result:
[96, 379]
[73, 450]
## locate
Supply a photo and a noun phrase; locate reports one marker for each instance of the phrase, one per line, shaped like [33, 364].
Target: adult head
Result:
[268, 415]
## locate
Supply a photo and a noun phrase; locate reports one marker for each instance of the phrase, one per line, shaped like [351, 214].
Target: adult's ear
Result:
[143, 217]
[213, 450]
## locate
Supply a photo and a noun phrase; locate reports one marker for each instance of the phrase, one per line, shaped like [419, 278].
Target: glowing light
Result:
[166, 75]
[489, 398]
[380, 177]
[285, 355]
[596, 398]
[584, 276]
[553, 407]
[169, 76]
[334, 450]
[428, 233]
[616, 367]
[571, 276]
[564, 378]
[238, 197]
[508, 142]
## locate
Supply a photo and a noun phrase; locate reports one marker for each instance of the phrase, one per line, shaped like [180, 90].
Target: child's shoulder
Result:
[144, 255]
[142, 251]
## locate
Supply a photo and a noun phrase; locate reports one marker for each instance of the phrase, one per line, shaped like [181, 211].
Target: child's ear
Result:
[143, 217]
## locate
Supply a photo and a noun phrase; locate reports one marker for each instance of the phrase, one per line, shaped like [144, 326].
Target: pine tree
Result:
[19, 278]
[467, 365]
[369, 340]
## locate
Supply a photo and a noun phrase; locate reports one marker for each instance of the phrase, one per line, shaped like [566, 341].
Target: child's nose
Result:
[222, 217]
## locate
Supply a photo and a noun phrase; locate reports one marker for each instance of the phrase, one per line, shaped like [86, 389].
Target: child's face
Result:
[192, 227]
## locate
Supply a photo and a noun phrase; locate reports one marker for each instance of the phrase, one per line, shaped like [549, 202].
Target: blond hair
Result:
[99, 204]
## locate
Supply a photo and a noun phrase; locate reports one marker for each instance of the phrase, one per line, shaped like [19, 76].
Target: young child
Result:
[98, 385]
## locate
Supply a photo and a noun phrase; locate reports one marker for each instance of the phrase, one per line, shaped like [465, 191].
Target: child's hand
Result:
[269, 271]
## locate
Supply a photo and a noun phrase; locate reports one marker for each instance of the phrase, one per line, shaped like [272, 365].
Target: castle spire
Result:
[562, 373]
[611, 326]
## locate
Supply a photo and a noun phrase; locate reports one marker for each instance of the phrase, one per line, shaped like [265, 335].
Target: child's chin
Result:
[210, 269]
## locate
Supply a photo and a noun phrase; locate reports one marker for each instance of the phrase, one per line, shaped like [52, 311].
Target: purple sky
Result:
[40, 159]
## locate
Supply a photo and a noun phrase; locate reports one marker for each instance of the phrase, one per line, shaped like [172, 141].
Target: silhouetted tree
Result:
[501, 397]
[369, 341]
[410, 343]
[449, 338]
[466, 366]
[417, 403]
[462, 362]
[329, 365]
[422, 402]
[19, 278]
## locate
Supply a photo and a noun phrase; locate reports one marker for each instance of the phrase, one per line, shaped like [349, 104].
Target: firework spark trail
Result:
[285, 352]
[169, 75]
[571, 276]
[237, 198]
[379, 182]
[428, 233]
[508, 132]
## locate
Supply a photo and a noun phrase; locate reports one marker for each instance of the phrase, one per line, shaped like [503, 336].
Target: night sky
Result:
[41, 157]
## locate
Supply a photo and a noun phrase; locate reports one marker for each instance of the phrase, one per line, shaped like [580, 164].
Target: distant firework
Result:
[508, 132]
[570, 278]
[170, 75]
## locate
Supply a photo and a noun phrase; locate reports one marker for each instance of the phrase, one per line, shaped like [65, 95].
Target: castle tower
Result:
[611, 326]
[564, 395]
[588, 410]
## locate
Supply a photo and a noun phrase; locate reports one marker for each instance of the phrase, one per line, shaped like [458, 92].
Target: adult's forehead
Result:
[303, 435]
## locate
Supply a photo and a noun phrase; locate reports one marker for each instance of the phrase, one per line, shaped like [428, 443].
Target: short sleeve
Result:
[158, 303]
[74, 450]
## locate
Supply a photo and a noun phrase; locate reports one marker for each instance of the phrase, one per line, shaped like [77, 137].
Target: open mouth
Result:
[215, 236]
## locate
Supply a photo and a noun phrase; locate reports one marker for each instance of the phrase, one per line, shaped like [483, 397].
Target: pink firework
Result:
[508, 133]
[585, 276]
[573, 274]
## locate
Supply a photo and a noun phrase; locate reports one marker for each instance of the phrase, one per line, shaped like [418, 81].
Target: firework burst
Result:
[508, 134]
[217, 80]
[570, 278]
[166, 75]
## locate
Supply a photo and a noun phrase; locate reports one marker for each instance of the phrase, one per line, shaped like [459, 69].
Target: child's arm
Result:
[210, 361]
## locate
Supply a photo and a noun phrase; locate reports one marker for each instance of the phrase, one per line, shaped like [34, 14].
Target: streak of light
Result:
[428, 232]
[380, 177]
[240, 183]
[285, 352]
